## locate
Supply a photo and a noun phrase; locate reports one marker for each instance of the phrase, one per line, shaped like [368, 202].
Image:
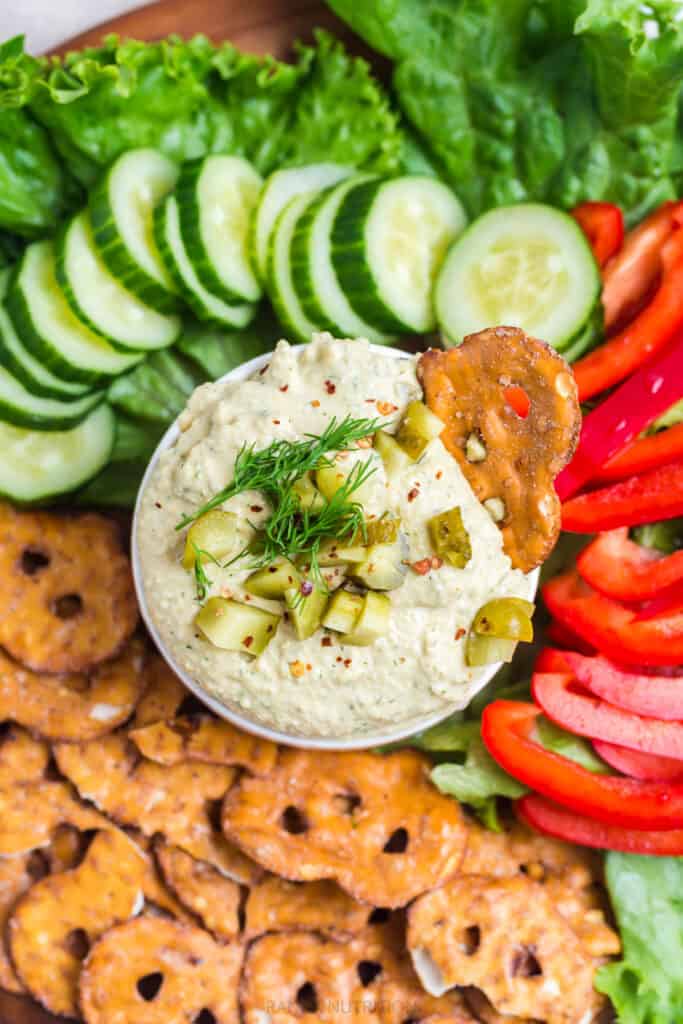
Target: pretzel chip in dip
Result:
[376, 824]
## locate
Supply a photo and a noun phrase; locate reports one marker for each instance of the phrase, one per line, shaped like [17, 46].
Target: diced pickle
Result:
[418, 427]
[372, 623]
[330, 478]
[305, 613]
[382, 531]
[215, 535]
[383, 569]
[342, 611]
[393, 456]
[236, 627]
[505, 618]
[274, 580]
[487, 650]
[308, 494]
[450, 539]
[341, 552]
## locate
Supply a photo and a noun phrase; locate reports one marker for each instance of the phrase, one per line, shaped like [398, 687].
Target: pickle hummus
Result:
[325, 634]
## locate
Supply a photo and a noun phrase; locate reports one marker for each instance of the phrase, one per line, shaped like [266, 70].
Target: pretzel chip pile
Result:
[158, 866]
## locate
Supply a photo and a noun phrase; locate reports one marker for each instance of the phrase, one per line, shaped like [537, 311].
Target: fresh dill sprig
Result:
[201, 580]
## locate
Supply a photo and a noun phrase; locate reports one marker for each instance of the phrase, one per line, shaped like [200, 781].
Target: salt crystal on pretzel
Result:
[189, 973]
[67, 600]
[504, 937]
[202, 889]
[276, 905]
[53, 925]
[375, 824]
[74, 707]
[507, 457]
[204, 739]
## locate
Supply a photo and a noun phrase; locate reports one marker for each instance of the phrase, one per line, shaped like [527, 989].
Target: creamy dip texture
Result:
[314, 687]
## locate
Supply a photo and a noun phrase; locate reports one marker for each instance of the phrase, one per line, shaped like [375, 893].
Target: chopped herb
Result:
[201, 580]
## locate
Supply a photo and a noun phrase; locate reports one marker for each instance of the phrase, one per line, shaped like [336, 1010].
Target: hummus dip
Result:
[319, 687]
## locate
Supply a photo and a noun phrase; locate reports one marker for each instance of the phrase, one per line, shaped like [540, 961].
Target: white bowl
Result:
[387, 735]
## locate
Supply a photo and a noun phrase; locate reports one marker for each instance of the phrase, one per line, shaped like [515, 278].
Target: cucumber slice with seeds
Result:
[279, 188]
[216, 197]
[100, 301]
[207, 306]
[389, 239]
[121, 209]
[24, 409]
[48, 328]
[526, 266]
[281, 289]
[29, 371]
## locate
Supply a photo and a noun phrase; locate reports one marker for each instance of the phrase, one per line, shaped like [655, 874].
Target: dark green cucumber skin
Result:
[119, 262]
[300, 262]
[19, 313]
[350, 263]
[10, 361]
[21, 417]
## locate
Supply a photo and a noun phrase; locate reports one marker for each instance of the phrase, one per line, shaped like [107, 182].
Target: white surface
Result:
[45, 23]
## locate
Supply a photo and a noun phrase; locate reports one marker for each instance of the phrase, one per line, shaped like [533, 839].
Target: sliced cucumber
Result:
[100, 301]
[216, 199]
[315, 280]
[48, 328]
[279, 188]
[29, 371]
[207, 306]
[389, 239]
[526, 266]
[121, 209]
[281, 290]
[24, 409]
[35, 465]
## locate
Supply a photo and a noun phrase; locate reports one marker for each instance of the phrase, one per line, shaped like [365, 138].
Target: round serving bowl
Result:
[401, 731]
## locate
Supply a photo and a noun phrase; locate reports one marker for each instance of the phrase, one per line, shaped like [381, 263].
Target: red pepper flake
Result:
[297, 669]
[276, 422]
[256, 508]
[248, 641]
[422, 567]
[436, 562]
[413, 493]
[364, 442]
[157, 504]
[439, 474]
[339, 658]
[370, 401]
[326, 641]
[263, 369]
[308, 666]
[347, 662]
[330, 387]
[285, 387]
[459, 633]
[315, 403]
[386, 408]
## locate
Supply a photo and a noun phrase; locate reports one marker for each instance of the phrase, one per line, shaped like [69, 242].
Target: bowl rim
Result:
[381, 737]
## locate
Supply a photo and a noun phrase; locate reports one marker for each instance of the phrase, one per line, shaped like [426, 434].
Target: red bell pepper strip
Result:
[552, 820]
[645, 453]
[507, 730]
[603, 226]
[562, 636]
[633, 273]
[659, 697]
[585, 715]
[622, 417]
[648, 767]
[649, 333]
[646, 498]
[552, 660]
[612, 628]
[622, 569]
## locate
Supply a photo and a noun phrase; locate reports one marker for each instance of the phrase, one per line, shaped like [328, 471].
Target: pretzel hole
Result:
[190, 707]
[294, 821]
[149, 986]
[77, 943]
[33, 560]
[68, 606]
[471, 940]
[518, 400]
[37, 866]
[347, 803]
[367, 971]
[380, 915]
[307, 998]
[524, 963]
[213, 813]
[397, 841]
[205, 1017]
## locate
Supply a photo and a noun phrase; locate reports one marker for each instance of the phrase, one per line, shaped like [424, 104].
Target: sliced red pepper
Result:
[645, 498]
[552, 820]
[622, 569]
[622, 417]
[507, 730]
[552, 660]
[649, 333]
[645, 453]
[659, 696]
[612, 628]
[603, 226]
[561, 636]
[585, 715]
[648, 767]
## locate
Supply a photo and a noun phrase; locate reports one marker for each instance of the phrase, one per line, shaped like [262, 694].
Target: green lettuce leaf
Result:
[646, 985]
[478, 782]
[215, 352]
[665, 537]
[117, 485]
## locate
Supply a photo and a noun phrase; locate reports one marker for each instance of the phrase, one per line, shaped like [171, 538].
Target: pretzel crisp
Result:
[215, 900]
[276, 905]
[175, 801]
[163, 696]
[30, 813]
[375, 824]
[74, 707]
[52, 926]
[204, 739]
[506, 456]
[154, 971]
[67, 601]
[504, 937]
[23, 758]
